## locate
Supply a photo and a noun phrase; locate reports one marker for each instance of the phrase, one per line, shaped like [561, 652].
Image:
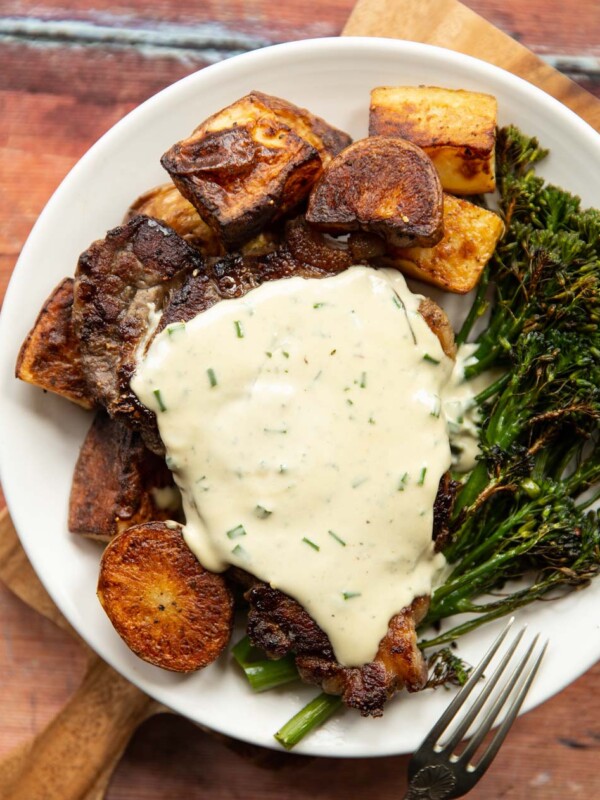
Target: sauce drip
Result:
[304, 426]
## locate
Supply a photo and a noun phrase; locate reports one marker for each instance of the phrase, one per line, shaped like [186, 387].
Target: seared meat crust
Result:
[118, 280]
[279, 625]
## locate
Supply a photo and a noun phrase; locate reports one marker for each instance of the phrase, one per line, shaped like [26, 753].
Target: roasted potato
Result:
[251, 163]
[164, 605]
[456, 128]
[118, 483]
[50, 356]
[454, 264]
[380, 185]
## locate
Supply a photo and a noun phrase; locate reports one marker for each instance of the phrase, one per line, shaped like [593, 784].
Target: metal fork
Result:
[435, 771]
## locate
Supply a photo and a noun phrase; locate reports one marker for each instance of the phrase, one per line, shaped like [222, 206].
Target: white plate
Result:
[40, 434]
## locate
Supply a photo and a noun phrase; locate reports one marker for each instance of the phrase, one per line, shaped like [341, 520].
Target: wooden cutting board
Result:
[71, 759]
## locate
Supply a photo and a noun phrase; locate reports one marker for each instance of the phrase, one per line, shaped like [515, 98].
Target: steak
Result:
[144, 263]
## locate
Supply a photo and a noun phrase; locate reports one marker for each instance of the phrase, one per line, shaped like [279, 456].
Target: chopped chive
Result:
[318, 375]
[399, 304]
[318, 305]
[422, 474]
[236, 532]
[337, 538]
[437, 407]
[159, 400]
[268, 354]
[285, 354]
[359, 482]
[371, 421]
[403, 482]
[282, 468]
[311, 544]
[350, 595]
[349, 402]
[262, 512]
[430, 359]
[171, 463]
[238, 550]
[275, 430]
[175, 327]
[333, 352]
[239, 329]
[363, 380]
[212, 378]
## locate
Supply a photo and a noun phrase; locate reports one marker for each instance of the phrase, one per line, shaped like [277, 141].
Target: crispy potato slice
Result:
[456, 128]
[380, 185]
[167, 204]
[251, 163]
[162, 602]
[50, 357]
[118, 483]
[454, 264]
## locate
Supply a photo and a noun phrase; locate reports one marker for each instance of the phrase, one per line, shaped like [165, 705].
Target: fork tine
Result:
[499, 704]
[463, 727]
[500, 734]
[466, 690]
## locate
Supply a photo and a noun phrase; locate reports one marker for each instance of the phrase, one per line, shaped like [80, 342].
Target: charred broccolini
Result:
[524, 511]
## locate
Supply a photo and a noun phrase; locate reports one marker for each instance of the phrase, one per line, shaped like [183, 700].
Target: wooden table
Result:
[67, 74]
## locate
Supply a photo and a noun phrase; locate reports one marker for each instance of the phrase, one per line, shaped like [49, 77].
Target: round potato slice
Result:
[164, 605]
[380, 185]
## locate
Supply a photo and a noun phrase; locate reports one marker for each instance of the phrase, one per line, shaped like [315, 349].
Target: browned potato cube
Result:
[162, 602]
[380, 185]
[118, 483]
[50, 357]
[454, 264]
[251, 163]
[456, 128]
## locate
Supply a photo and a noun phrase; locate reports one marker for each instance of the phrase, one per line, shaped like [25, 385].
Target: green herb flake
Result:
[212, 378]
[275, 430]
[333, 352]
[350, 595]
[371, 421]
[239, 329]
[430, 359]
[311, 544]
[262, 512]
[349, 402]
[403, 482]
[422, 474]
[159, 400]
[337, 538]
[363, 380]
[318, 305]
[239, 551]
[176, 327]
[236, 532]
[268, 355]
[437, 407]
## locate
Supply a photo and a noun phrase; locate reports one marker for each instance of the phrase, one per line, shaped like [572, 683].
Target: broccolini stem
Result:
[307, 719]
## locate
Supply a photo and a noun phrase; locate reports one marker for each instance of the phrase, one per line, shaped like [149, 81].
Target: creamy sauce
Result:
[304, 426]
[461, 412]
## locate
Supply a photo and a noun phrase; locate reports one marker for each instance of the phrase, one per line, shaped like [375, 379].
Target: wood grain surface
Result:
[68, 72]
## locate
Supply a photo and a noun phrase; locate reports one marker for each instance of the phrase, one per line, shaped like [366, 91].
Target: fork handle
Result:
[432, 782]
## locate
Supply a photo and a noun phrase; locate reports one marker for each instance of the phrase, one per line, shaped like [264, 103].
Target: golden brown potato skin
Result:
[456, 262]
[380, 185]
[455, 127]
[50, 356]
[251, 163]
[115, 482]
[164, 605]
